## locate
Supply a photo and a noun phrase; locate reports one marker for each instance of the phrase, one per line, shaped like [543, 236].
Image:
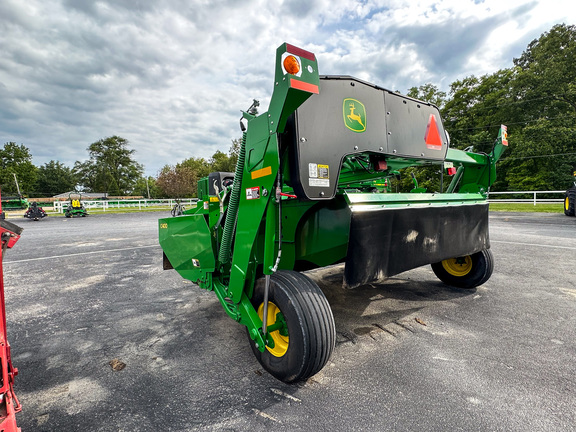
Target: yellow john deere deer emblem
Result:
[354, 115]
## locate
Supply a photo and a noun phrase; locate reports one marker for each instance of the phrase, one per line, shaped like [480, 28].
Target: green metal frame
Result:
[234, 237]
[14, 203]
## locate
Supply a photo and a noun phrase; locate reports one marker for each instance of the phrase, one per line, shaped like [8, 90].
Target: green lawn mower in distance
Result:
[75, 206]
[312, 189]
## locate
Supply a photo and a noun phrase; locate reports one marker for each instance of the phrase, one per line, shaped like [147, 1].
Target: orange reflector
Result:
[261, 172]
[432, 137]
[291, 65]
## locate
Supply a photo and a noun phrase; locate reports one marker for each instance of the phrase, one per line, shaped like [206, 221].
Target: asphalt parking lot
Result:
[412, 354]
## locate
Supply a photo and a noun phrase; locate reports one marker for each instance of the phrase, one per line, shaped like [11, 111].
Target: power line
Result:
[538, 156]
[554, 96]
[514, 123]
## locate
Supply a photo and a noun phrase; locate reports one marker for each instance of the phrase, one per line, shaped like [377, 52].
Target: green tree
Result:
[16, 159]
[111, 167]
[537, 100]
[428, 93]
[146, 187]
[199, 166]
[545, 146]
[54, 178]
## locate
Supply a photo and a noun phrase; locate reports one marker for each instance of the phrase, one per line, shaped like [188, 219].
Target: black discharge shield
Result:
[386, 242]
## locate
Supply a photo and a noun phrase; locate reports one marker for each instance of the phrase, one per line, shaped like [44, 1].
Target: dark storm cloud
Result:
[171, 76]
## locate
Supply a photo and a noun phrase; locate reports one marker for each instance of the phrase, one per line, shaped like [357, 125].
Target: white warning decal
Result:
[319, 175]
[253, 193]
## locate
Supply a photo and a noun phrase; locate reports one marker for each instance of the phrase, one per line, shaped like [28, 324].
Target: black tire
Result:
[570, 203]
[466, 272]
[310, 326]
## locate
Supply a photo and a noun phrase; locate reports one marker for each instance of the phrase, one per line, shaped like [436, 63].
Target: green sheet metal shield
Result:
[354, 115]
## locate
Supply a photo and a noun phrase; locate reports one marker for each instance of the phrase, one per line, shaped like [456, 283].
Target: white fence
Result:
[60, 206]
[534, 197]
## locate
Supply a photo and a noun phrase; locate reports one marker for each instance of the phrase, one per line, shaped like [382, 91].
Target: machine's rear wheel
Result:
[467, 271]
[303, 329]
[569, 203]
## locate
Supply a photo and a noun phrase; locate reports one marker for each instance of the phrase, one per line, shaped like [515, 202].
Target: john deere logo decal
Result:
[354, 115]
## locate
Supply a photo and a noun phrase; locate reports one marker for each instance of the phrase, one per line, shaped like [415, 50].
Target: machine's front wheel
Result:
[300, 323]
[467, 271]
[570, 204]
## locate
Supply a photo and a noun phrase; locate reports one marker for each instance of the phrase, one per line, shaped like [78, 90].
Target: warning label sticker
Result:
[319, 175]
[253, 193]
[323, 171]
[319, 182]
[312, 170]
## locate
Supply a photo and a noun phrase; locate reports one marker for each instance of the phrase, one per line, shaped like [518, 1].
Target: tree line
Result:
[110, 169]
[535, 98]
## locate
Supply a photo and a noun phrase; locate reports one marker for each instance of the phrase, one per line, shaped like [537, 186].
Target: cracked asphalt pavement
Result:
[105, 340]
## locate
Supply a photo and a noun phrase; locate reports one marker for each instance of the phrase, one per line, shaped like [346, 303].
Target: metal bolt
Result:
[394, 151]
[303, 139]
[256, 345]
[355, 147]
[264, 192]
[321, 194]
[381, 148]
[421, 154]
[389, 133]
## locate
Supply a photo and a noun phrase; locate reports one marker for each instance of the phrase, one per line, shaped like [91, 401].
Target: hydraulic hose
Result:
[232, 212]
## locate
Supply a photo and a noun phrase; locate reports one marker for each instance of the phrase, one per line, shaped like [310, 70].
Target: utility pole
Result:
[17, 186]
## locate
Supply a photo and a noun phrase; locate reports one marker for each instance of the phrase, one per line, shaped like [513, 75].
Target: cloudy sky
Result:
[171, 76]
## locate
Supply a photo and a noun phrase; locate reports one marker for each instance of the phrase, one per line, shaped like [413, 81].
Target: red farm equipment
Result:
[9, 405]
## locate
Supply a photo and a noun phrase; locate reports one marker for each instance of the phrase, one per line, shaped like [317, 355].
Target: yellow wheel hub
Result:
[566, 203]
[458, 267]
[280, 341]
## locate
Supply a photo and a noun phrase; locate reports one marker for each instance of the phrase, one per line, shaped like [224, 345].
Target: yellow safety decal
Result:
[163, 225]
[262, 172]
[214, 199]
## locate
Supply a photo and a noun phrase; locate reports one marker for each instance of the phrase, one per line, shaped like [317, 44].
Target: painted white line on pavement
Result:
[80, 253]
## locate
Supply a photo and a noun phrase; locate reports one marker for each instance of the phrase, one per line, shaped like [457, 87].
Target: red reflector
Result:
[300, 52]
[304, 86]
[451, 171]
[381, 165]
[432, 137]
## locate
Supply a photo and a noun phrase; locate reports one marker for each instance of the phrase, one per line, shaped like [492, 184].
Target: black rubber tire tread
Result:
[311, 325]
[482, 268]
[571, 197]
